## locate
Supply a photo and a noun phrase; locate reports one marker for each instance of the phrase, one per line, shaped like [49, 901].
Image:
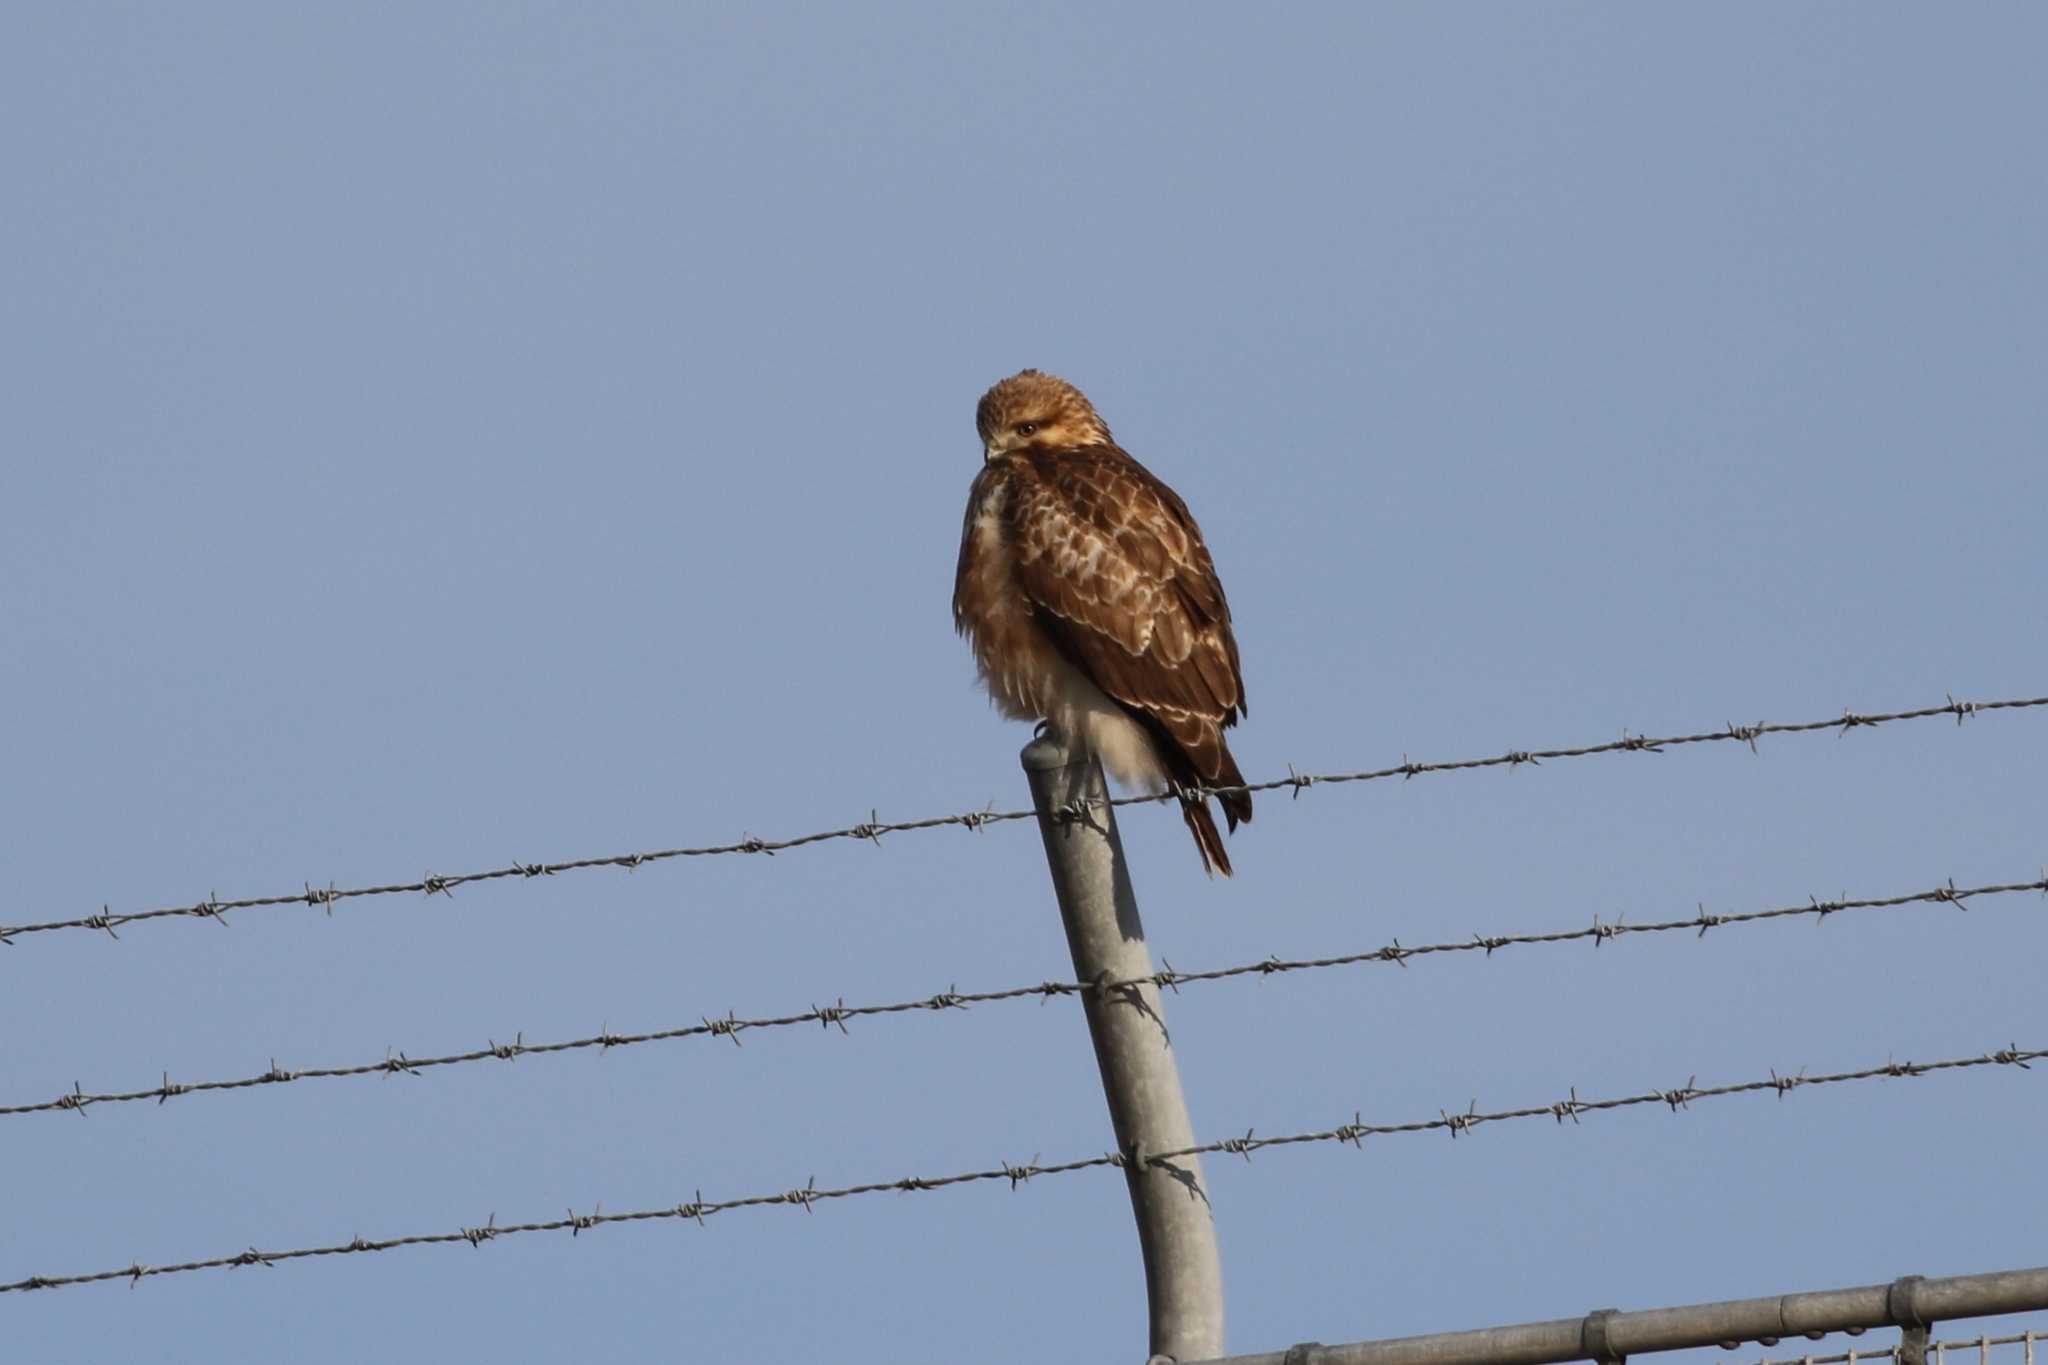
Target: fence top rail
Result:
[1606, 1335]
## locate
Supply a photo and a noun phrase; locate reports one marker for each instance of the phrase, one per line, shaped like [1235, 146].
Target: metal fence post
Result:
[1176, 1231]
[1902, 1304]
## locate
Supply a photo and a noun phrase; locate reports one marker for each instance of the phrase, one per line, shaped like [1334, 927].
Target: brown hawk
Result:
[1092, 604]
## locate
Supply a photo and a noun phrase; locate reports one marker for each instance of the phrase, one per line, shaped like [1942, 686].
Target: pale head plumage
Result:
[1032, 408]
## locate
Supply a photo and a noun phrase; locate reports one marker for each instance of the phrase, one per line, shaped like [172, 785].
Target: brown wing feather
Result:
[1112, 557]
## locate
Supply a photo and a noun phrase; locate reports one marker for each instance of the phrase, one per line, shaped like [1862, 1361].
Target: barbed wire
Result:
[829, 1016]
[872, 829]
[1939, 1349]
[809, 1195]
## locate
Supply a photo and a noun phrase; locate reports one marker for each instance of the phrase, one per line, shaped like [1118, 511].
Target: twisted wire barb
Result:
[809, 1195]
[836, 1015]
[871, 829]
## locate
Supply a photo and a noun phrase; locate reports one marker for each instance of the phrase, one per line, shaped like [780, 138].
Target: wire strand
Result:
[809, 1195]
[214, 908]
[829, 1016]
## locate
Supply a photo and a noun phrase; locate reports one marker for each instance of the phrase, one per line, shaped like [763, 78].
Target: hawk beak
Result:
[987, 453]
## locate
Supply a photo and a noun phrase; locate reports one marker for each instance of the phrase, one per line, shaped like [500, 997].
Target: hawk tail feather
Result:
[1237, 806]
[1185, 774]
[1237, 810]
[1208, 839]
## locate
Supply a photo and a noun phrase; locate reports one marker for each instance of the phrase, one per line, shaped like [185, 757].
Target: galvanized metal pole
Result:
[1176, 1232]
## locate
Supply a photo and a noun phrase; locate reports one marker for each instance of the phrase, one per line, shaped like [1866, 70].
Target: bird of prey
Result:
[1092, 604]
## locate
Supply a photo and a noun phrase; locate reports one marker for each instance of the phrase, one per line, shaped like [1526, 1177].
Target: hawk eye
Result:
[1026, 428]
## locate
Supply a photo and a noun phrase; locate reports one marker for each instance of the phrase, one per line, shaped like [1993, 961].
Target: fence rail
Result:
[1354, 1132]
[1912, 1303]
[872, 829]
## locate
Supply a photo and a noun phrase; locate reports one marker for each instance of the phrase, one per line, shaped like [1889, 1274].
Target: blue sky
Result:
[439, 435]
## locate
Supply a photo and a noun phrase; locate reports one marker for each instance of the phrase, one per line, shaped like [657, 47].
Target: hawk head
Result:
[1032, 408]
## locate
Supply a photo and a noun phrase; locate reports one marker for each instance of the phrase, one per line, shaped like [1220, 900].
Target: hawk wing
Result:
[1116, 569]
